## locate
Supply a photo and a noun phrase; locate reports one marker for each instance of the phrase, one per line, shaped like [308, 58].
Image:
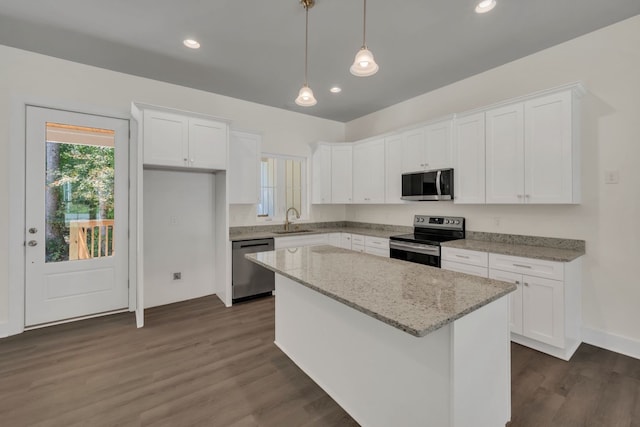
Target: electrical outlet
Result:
[173, 220]
[177, 276]
[611, 177]
[496, 221]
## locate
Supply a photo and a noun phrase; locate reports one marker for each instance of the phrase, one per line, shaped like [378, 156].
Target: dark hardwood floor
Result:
[199, 364]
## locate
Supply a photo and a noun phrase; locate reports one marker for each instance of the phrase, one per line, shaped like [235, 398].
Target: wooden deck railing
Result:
[91, 238]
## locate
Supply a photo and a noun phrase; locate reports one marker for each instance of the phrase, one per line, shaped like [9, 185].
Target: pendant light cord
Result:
[364, 26]
[306, 43]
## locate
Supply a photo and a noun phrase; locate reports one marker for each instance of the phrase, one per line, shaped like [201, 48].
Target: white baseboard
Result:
[623, 345]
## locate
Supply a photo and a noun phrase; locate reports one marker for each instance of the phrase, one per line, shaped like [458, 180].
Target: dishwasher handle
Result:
[253, 243]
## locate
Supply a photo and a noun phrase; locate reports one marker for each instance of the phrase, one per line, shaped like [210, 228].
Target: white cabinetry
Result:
[469, 155]
[532, 151]
[546, 308]
[179, 141]
[244, 166]
[465, 261]
[321, 174]
[298, 241]
[334, 239]
[393, 169]
[342, 173]
[427, 148]
[357, 243]
[345, 240]
[376, 246]
[368, 171]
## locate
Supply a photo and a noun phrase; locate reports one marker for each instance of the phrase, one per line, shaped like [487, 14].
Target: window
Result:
[282, 186]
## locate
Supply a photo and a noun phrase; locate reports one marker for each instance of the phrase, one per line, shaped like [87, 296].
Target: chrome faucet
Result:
[286, 219]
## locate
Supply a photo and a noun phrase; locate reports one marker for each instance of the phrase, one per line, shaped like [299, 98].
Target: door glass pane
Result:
[79, 196]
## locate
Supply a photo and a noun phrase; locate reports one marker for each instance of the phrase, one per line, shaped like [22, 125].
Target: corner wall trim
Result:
[623, 345]
[4, 330]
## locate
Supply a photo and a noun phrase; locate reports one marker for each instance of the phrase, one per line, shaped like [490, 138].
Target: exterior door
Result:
[76, 215]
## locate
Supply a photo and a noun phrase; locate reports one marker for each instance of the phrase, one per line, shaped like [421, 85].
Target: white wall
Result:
[34, 76]
[608, 63]
[179, 217]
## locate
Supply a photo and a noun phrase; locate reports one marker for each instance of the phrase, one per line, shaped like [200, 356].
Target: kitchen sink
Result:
[293, 231]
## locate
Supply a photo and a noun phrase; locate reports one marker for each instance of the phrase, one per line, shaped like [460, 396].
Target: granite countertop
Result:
[514, 249]
[258, 234]
[415, 298]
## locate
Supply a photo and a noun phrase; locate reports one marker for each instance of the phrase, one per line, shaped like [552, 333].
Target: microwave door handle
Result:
[438, 189]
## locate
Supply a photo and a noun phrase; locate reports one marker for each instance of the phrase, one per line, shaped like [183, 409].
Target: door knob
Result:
[33, 230]
[32, 243]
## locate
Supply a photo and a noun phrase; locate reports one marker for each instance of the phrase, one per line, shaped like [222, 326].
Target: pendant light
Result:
[305, 96]
[364, 65]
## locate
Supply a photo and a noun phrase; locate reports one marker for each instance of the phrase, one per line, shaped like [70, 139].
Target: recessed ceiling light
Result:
[485, 6]
[335, 89]
[191, 44]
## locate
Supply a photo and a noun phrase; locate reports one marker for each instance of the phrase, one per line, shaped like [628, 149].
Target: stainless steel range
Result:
[423, 246]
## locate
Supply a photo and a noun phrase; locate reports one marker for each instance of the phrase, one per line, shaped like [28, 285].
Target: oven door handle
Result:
[426, 250]
[438, 183]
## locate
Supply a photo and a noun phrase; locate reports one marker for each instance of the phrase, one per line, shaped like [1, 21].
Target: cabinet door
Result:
[321, 185]
[244, 165]
[207, 144]
[505, 154]
[334, 239]
[548, 149]
[543, 310]
[345, 240]
[438, 146]
[413, 150]
[341, 174]
[393, 169]
[166, 139]
[515, 298]
[469, 153]
[368, 172]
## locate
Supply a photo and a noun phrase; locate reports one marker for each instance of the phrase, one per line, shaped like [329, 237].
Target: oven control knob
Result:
[457, 221]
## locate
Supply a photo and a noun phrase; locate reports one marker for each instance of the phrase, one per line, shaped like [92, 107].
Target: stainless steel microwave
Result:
[429, 185]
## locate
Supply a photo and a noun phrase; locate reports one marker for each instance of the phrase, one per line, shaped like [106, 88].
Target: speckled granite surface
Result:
[366, 229]
[412, 297]
[520, 250]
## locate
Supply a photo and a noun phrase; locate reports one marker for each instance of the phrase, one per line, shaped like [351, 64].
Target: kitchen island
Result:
[394, 343]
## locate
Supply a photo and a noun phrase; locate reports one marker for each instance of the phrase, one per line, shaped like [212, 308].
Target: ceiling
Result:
[254, 50]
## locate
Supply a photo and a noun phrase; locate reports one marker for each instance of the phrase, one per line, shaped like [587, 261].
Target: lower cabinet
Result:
[297, 241]
[545, 309]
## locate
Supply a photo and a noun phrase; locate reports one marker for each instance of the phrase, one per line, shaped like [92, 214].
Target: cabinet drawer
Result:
[480, 259]
[376, 242]
[357, 247]
[474, 270]
[377, 251]
[532, 267]
[357, 239]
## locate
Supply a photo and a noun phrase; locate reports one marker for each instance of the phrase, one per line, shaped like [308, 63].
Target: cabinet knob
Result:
[519, 196]
[517, 282]
[526, 284]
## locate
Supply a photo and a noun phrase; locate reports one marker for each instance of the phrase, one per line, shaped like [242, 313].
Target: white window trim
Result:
[281, 210]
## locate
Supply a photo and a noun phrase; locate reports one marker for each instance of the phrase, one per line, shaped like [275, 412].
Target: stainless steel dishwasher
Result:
[249, 279]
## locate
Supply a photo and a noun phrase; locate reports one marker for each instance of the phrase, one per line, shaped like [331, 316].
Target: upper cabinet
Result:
[505, 154]
[532, 151]
[427, 148]
[244, 166]
[524, 150]
[368, 171]
[342, 173]
[520, 152]
[469, 155]
[321, 174]
[393, 169]
[180, 141]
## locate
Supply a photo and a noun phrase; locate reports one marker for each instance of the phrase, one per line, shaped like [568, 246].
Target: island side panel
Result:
[380, 375]
[481, 368]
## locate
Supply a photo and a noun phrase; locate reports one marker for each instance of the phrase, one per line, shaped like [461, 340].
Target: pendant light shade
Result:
[305, 96]
[364, 65]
